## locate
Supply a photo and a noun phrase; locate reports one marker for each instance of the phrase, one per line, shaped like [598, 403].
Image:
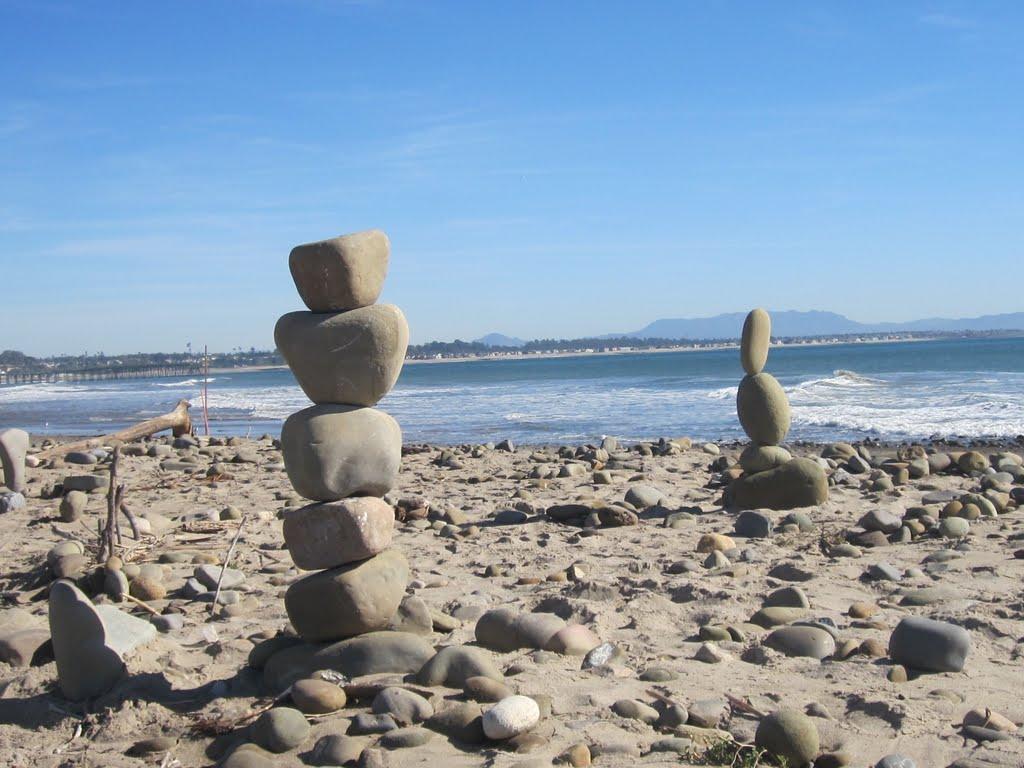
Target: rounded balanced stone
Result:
[757, 335]
[789, 734]
[929, 645]
[349, 600]
[342, 273]
[758, 458]
[352, 357]
[797, 483]
[338, 532]
[763, 409]
[510, 717]
[334, 451]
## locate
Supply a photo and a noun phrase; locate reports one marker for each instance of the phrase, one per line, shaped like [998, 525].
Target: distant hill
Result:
[815, 323]
[499, 340]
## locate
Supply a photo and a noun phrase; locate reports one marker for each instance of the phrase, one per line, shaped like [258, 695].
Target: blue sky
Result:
[542, 169]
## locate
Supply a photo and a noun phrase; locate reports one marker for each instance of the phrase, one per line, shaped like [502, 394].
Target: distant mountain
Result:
[815, 323]
[499, 340]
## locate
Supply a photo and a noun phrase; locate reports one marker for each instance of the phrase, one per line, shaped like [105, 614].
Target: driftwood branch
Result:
[227, 559]
[110, 534]
[177, 421]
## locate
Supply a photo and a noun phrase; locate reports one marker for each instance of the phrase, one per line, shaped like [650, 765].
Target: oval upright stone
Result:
[763, 409]
[757, 335]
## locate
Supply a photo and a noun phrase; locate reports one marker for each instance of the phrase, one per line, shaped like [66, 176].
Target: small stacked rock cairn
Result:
[346, 353]
[772, 478]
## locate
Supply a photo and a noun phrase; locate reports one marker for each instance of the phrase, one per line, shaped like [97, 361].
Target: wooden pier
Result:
[101, 374]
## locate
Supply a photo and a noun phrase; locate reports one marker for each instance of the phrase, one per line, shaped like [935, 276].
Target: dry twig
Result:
[227, 559]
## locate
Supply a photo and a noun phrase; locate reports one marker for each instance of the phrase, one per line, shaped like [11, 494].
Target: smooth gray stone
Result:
[351, 357]
[14, 445]
[895, 761]
[369, 654]
[335, 451]
[412, 616]
[85, 482]
[927, 596]
[453, 665]
[404, 706]
[280, 729]
[341, 273]
[880, 520]
[752, 524]
[125, 632]
[759, 458]
[883, 572]
[207, 575]
[787, 597]
[929, 645]
[763, 409]
[811, 642]
[643, 496]
[79, 457]
[350, 600]
[755, 340]
[797, 483]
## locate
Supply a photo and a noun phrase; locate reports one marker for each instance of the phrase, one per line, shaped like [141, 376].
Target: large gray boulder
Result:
[89, 642]
[342, 273]
[763, 409]
[370, 654]
[757, 335]
[350, 600]
[929, 645]
[797, 483]
[352, 358]
[14, 445]
[334, 451]
[338, 532]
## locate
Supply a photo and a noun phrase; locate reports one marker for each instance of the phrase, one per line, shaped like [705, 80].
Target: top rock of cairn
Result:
[757, 335]
[342, 273]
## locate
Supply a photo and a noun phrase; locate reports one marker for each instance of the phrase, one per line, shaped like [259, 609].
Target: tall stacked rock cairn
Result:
[342, 453]
[772, 478]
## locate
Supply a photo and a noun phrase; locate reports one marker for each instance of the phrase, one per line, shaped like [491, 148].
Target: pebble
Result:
[929, 645]
[635, 710]
[404, 706]
[510, 717]
[789, 734]
[280, 729]
[405, 738]
[811, 642]
[317, 697]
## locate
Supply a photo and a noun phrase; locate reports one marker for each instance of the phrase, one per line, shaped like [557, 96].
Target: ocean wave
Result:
[187, 383]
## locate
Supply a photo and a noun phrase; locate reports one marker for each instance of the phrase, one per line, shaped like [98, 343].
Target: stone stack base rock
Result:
[346, 353]
[772, 478]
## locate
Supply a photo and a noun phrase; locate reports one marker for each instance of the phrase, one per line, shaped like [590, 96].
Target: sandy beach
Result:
[479, 531]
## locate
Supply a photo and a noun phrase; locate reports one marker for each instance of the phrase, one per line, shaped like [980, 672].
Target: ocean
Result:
[963, 388]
